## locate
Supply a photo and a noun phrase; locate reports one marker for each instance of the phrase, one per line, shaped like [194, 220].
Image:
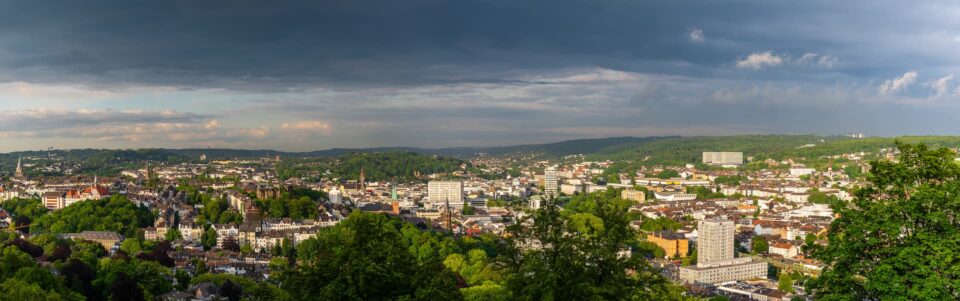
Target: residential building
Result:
[633, 195]
[674, 244]
[715, 259]
[54, 200]
[551, 182]
[715, 241]
[785, 249]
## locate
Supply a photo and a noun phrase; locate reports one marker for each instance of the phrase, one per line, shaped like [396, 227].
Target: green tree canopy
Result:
[366, 258]
[115, 213]
[760, 245]
[900, 236]
[583, 253]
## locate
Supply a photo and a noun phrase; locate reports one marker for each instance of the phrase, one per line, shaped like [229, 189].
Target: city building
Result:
[441, 193]
[19, 172]
[784, 249]
[723, 158]
[715, 258]
[633, 195]
[54, 200]
[715, 241]
[674, 196]
[674, 244]
[551, 182]
[108, 239]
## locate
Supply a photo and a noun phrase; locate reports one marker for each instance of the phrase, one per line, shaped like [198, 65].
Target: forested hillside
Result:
[681, 150]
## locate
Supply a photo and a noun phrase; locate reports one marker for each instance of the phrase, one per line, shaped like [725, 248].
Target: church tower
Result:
[363, 180]
[19, 172]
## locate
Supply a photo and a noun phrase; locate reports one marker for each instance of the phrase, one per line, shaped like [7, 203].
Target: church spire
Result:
[19, 172]
[363, 180]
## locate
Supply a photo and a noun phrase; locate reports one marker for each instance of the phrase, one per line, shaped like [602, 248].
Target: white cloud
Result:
[828, 61]
[807, 58]
[589, 76]
[941, 86]
[34, 91]
[896, 85]
[108, 125]
[815, 59]
[308, 125]
[758, 60]
[696, 35]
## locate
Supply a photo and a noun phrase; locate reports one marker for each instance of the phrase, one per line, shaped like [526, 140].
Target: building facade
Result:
[723, 158]
[441, 193]
[633, 195]
[551, 182]
[715, 241]
[673, 244]
[715, 259]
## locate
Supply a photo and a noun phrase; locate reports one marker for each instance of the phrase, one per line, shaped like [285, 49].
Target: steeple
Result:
[363, 180]
[19, 172]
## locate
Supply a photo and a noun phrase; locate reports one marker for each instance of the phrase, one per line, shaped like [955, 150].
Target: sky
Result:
[311, 75]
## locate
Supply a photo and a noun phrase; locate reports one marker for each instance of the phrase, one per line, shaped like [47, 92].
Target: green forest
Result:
[377, 166]
[684, 150]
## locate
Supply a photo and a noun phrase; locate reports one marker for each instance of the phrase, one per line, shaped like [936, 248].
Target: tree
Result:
[760, 245]
[366, 257]
[183, 279]
[209, 239]
[818, 197]
[246, 248]
[172, 234]
[897, 239]
[230, 291]
[16, 289]
[809, 242]
[125, 288]
[468, 210]
[785, 283]
[668, 174]
[579, 258]
[486, 292]
[115, 213]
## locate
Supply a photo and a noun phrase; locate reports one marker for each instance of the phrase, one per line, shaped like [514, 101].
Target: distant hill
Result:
[563, 148]
[681, 150]
[653, 150]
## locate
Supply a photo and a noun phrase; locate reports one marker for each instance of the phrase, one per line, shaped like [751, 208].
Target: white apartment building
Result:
[551, 181]
[441, 193]
[715, 243]
[723, 158]
[715, 260]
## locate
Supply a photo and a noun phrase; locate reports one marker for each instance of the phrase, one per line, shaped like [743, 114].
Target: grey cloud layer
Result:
[255, 44]
[314, 74]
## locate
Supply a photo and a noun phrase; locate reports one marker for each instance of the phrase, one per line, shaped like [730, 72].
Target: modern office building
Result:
[441, 193]
[723, 158]
[715, 260]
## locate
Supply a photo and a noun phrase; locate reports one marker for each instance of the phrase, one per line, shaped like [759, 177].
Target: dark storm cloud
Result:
[476, 72]
[260, 44]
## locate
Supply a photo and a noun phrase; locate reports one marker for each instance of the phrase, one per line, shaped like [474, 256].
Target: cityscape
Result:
[479, 150]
